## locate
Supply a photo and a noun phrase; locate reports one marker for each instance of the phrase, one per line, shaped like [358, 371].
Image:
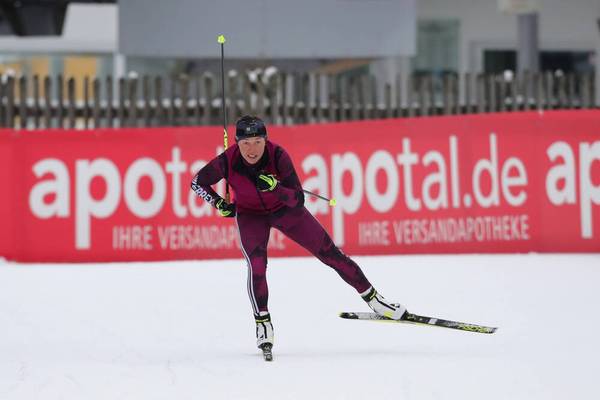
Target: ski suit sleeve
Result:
[210, 174]
[289, 189]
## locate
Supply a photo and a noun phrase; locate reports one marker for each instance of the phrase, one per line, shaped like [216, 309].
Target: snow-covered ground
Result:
[184, 330]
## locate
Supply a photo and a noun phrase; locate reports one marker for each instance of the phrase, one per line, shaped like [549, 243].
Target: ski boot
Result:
[381, 306]
[264, 334]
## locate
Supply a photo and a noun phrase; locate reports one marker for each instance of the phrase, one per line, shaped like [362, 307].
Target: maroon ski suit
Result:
[283, 209]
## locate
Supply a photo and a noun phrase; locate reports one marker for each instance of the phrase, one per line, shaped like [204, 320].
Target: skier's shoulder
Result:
[277, 151]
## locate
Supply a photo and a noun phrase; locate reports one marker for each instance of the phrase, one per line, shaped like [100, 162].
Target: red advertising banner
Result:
[514, 182]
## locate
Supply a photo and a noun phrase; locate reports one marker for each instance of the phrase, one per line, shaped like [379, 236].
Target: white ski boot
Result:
[264, 328]
[264, 334]
[381, 306]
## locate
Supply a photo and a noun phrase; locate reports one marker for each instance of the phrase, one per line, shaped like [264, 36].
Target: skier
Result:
[268, 194]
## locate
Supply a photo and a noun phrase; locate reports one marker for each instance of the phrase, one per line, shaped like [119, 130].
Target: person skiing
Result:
[268, 194]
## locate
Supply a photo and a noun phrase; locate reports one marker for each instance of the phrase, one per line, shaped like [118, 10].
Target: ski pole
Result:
[221, 41]
[332, 202]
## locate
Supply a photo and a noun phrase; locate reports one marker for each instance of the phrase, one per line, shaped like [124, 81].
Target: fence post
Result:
[343, 95]
[23, 102]
[285, 115]
[389, 111]
[480, 90]
[562, 91]
[208, 98]
[172, 100]
[423, 85]
[373, 97]
[570, 90]
[468, 93]
[492, 95]
[273, 96]
[502, 93]
[332, 98]
[146, 111]
[446, 95]
[183, 106]
[86, 102]
[538, 77]
[318, 102]
[306, 99]
[514, 91]
[527, 84]
[121, 110]
[260, 97]
[397, 112]
[197, 96]
[549, 90]
[2, 100]
[132, 96]
[71, 98]
[233, 78]
[354, 101]
[247, 94]
[36, 101]
[96, 107]
[584, 89]
[47, 102]
[158, 98]
[10, 102]
[410, 95]
[364, 96]
[109, 101]
[455, 85]
[295, 94]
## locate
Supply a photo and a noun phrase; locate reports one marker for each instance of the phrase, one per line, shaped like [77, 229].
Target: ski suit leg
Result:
[254, 235]
[299, 225]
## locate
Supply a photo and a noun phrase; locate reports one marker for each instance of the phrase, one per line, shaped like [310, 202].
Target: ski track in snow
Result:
[184, 330]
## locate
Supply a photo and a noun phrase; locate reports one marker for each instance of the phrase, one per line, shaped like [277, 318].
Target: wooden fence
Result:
[38, 102]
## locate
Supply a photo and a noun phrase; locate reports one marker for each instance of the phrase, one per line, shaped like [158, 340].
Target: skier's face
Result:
[252, 149]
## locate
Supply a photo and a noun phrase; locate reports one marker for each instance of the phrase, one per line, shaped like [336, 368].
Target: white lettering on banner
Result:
[437, 178]
[59, 187]
[134, 237]
[86, 206]
[176, 167]
[561, 180]
[374, 233]
[190, 237]
[183, 237]
[407, 160]
[590, 193]
[561, 172]
[455, 230]
[491, 166]
[454, 181]
[348, 162]
[508, 182]
[139, 207]
[381, 202]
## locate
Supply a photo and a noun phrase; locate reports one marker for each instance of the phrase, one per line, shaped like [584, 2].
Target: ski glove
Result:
[225, 209]
[266, 183]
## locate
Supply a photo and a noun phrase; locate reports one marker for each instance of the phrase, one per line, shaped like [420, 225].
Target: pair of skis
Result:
[408, 318]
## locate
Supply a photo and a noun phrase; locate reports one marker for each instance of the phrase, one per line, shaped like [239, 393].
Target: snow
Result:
[184, 330]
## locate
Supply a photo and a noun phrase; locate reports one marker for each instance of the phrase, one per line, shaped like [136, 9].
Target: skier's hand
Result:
[225, 209]
[266, 183]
